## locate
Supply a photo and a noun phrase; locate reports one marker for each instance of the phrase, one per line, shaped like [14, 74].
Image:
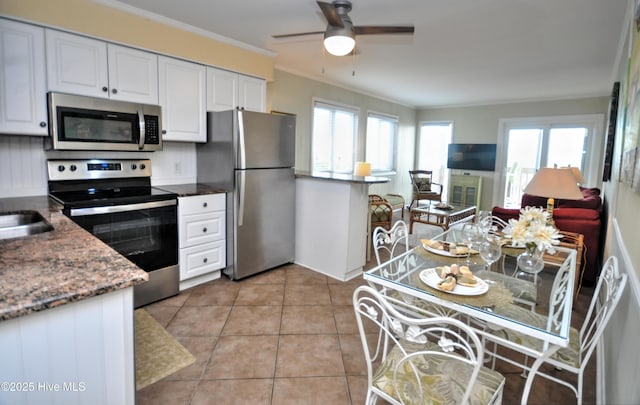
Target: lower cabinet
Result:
[465, 190]
[201, 228]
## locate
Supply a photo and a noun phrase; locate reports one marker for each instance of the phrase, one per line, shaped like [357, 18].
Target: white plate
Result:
[446, 252]
[431, 278]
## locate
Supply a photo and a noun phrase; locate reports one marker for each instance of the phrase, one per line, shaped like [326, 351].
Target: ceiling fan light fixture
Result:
[339, 41]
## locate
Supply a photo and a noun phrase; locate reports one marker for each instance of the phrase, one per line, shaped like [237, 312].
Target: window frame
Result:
[334, 107]
[395, 120]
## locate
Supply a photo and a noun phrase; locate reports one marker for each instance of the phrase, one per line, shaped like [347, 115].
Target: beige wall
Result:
[294, 94]
[89, 18]
[479, 124]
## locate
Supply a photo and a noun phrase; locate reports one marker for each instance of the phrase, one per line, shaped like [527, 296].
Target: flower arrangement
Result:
[533, 230]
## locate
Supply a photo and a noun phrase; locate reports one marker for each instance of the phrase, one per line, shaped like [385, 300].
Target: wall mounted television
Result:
[472, 156]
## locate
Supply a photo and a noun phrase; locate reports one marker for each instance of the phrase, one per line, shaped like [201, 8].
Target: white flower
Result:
[533, 229]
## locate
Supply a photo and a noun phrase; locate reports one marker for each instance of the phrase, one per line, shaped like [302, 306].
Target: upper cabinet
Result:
[81, 65]
[183, 99]
[23, 97]
[228, 90]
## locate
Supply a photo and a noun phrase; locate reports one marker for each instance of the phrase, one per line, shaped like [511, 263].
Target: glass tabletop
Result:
[500, 297]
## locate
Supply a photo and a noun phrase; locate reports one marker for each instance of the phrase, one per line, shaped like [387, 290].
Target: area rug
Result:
[158, 354]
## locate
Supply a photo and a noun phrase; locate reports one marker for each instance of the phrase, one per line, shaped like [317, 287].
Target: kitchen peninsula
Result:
[332, 223]
[66, 314]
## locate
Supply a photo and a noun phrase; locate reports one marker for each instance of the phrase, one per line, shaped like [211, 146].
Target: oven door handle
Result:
[77, 212]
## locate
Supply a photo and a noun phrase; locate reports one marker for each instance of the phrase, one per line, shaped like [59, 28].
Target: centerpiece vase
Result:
[530, 261]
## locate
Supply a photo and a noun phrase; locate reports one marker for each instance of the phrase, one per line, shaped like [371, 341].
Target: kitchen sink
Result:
[22, 223]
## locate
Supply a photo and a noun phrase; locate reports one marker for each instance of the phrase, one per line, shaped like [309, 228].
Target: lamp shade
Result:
[576, 173]
[339, 41]
[554, 183]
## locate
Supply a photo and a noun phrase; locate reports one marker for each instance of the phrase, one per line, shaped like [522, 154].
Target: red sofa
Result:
[579, 216]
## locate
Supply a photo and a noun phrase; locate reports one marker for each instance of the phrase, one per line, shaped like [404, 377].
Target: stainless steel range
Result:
[114, 200]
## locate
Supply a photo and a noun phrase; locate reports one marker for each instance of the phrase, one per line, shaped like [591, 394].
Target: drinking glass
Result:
[484, 221]
[471, 235]
[490, 250]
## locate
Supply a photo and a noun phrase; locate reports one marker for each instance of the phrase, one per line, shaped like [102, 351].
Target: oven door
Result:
[145, 233]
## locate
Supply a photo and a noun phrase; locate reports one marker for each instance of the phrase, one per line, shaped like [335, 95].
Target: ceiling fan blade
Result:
[381, 29]
[330, 14]
[299, 34]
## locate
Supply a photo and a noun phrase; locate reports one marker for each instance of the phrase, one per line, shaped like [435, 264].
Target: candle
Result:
[362, 169]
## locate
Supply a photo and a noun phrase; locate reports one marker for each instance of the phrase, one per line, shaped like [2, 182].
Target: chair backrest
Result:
[390, 243]
[411, 345]
[558, 302]
[605, 298]
[421, 180]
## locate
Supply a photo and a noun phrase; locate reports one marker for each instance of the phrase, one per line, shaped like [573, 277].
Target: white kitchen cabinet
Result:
[90, 67]
[201, 238]
[252, 93]
[23, 99]
[182, 95]
[87, 345]
[228, 90]
[133, 74]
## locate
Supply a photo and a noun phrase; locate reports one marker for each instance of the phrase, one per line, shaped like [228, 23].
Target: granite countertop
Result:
[332, 176]
[190, 189]
[58, 267]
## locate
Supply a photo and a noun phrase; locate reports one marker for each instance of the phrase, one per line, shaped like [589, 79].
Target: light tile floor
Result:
[286, 336]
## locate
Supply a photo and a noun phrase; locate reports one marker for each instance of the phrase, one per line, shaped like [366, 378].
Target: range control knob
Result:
[134, 166]
[73, 168]
[61, 168]
[142, 166]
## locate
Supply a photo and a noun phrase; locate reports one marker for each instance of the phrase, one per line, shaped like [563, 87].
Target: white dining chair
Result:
[582, 342]
[388, 243]
[423, 359]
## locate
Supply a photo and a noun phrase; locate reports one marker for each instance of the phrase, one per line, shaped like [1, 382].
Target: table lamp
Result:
[362, 169]
[554, 183]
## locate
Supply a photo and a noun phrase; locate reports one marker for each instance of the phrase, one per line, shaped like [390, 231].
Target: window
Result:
[334, 134]
[433, 143]
[530, 144]
[382, 132]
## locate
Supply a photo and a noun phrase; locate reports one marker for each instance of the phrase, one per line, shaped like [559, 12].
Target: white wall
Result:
[294, 94]
[23, 171]
[480, 124]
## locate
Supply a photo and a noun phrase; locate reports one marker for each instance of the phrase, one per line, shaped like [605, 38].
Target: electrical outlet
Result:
[177, 168]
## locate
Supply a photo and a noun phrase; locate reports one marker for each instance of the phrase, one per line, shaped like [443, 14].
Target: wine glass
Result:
[490, 250]
[471, 234]
[484, 221]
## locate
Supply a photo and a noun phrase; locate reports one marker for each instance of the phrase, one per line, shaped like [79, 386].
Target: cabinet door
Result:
[23, 100]
[133, 75]
[222, 90]
[183, 100]
[252, 93]
[76, 64]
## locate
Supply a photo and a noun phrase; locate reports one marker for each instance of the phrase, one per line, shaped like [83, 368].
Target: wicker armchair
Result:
[381, 211]
[423, 187]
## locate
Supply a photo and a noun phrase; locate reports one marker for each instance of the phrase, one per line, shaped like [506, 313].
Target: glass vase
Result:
[530, 261]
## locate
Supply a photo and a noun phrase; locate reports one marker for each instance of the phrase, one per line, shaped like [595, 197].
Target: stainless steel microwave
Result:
[89, 123]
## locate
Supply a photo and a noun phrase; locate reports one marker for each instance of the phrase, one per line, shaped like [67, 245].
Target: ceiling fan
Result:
[340, 35]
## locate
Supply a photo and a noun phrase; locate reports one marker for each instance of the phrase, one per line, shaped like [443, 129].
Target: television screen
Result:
[472, 156]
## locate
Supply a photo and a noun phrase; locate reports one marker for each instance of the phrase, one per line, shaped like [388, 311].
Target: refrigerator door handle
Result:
[242, 158]
[240, 193]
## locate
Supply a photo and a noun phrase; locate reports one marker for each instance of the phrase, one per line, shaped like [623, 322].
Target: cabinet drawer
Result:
[201, 203]
[201, 228]
[202, 259]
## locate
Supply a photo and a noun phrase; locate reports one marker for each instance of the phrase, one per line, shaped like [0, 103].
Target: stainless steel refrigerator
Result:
[253, 155]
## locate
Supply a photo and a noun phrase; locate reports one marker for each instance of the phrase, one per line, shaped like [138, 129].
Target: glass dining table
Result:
[492, 302]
